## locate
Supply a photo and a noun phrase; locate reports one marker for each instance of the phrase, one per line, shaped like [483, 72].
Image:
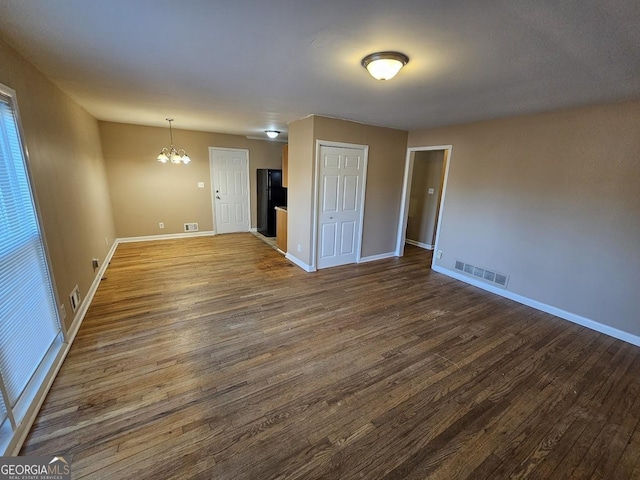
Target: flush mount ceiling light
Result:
[384, 65]
[172, 154]
[272, 133]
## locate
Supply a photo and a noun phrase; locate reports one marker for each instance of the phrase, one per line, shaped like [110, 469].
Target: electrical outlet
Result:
[95, 263]
[190, 227]
[63, 312]
[200, 184]
[439, 254]
[106, 241]
[161, 224]
[299, 247]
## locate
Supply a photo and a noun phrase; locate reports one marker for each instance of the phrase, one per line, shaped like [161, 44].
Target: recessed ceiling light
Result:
[272, 133]
[384, 65]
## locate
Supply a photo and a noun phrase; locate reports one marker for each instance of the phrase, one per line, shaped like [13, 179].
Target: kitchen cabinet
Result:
[281, 229]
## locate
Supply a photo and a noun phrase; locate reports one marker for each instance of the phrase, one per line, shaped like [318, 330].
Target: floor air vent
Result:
[483, 274]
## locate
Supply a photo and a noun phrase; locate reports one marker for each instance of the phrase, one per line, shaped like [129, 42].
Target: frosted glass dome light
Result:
[384, 65]
[272, 133]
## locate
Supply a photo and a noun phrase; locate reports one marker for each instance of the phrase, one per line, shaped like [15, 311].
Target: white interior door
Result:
[341, 185]
[230, 183]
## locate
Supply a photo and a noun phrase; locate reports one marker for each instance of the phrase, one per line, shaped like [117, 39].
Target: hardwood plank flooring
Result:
[215, 358]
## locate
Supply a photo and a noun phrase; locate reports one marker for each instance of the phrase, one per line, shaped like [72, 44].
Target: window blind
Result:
[28, 317]
[3, 411]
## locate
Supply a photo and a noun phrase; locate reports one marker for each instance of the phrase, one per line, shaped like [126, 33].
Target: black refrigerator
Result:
[271, 194]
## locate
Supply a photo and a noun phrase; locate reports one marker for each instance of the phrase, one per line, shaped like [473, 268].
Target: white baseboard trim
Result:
[170, 236]
[299, 263]
[558, 312]
[415, 243]
[373, 258]
[72, 331]
[252, 230]
[88, 298]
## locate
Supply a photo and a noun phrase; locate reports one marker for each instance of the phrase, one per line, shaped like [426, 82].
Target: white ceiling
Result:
[242, 66]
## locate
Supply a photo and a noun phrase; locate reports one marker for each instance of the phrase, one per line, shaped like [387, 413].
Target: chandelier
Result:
[172, 154]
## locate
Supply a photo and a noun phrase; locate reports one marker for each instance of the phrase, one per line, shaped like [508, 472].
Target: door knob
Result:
[218, 197]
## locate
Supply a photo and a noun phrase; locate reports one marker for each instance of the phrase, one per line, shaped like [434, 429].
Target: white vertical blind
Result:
[28, 320]
[3, 411]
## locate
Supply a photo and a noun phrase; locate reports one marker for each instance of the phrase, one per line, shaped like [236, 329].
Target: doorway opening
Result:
[425, 179]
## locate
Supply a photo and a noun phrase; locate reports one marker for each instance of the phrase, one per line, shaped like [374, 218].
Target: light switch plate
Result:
[431, 190]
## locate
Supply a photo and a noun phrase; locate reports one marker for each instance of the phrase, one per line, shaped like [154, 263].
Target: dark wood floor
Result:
[215, 358]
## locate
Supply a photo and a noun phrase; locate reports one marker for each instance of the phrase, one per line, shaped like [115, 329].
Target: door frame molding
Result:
[211, 180]
[406, 191]
[316, 197]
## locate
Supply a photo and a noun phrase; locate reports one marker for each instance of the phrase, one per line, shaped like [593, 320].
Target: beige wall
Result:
[145, 192]
[68, 174]
[387, 149]
[300, 191]
[553, 201]
[423, 206]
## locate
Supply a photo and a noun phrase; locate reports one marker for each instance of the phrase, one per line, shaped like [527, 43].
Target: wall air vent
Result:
[487, 276]
[74, 298]
[501, 279]
[190, 227]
